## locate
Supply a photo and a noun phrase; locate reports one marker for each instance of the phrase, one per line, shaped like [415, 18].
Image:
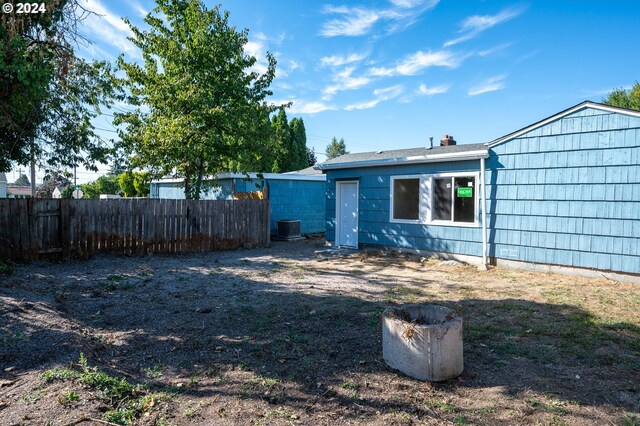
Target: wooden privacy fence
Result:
[34, 228]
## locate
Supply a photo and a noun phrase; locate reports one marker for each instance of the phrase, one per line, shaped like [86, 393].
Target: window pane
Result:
[442, 199]
[464, 199]
[406, 199]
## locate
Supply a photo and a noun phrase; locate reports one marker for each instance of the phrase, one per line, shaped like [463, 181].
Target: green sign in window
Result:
[465, 192]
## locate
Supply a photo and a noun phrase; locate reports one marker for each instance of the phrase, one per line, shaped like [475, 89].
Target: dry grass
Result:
[291, 335]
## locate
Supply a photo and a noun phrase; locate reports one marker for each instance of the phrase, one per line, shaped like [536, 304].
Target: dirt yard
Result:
[291, 335]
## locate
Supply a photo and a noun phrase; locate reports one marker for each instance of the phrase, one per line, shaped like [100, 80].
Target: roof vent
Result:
[378, 152]
[447, 140]
[430, 142]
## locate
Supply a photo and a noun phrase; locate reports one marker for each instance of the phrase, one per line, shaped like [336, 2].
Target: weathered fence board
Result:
[35, 228]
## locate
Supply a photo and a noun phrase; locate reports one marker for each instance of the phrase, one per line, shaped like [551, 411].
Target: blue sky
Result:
[389, 74]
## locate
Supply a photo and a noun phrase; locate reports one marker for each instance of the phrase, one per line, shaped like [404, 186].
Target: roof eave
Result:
[437, 158]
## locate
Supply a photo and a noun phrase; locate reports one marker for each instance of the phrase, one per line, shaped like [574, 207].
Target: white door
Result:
[347, 214]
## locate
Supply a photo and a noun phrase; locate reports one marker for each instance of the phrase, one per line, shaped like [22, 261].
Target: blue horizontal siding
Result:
[374, 211]
[290, 199]
[568, 193]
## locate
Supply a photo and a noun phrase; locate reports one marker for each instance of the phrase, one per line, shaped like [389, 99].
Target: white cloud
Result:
[383, 94]
[343, 80]
[338, 60]
[309, 107]
[389, 92]
[103, 25]
[359, 21]
[355, 21]
[363, 105]
[493, 50]
[141, 11]
[409, 3]
[474, 25]
[418, 61]
[433, 90]
[489, 85]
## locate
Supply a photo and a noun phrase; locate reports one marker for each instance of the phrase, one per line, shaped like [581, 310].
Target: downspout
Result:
[483, 195]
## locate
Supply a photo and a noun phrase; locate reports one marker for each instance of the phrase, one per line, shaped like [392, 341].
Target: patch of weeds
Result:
[30, 397]
[443, 406]
[557, 407]
[128, 400]
[292, 337]
[155, 371]
[193, 381]
[404, 294]
[630, 420]
[68, 398]
[353, 388]
[6, 268]
[193, 408]
[460, 421]
[374, 316]
[117, 282]
[59, 373]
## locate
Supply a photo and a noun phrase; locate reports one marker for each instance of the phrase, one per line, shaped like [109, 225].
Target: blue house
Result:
[298, 195]
[564, 191]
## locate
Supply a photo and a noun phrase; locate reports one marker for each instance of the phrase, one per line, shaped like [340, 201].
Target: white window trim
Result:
[426, 200]
[420, 208]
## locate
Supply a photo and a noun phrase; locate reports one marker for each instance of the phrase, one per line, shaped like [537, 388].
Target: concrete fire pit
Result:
[423, 341]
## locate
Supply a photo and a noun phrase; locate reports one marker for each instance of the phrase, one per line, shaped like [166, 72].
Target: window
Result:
[446, 199]
[454, 199]
[406, 199]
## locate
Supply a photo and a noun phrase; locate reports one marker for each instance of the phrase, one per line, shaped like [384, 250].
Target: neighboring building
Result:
[3, 185]
[296, 195]
[563, 191]
[18, 191]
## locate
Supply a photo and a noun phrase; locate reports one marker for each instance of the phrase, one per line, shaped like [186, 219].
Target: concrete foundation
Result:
[423, 341]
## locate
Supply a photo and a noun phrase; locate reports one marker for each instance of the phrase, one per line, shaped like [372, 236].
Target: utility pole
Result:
[33, 172]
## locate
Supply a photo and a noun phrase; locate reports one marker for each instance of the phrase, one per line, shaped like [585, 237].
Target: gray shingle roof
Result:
[398, 155]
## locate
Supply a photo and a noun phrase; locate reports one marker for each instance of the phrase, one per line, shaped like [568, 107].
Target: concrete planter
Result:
[423, 341]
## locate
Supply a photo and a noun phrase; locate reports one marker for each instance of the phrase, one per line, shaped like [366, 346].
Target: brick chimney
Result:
[447, 140]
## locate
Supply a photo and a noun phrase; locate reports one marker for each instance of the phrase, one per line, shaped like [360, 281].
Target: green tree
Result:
[49, 96]
[201, 105]
[282, 142]
[299, 136]
[107, 184]
[311, 158]
[23, 180]
[67, 191]
[142, 183]
[622, 98]
[126, 182]
[336, 149]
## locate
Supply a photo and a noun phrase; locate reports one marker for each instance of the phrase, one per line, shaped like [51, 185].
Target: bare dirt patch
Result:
[291, 335]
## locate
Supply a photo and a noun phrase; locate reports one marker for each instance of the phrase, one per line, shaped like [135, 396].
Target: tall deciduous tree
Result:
[49, 96]
[625, 99]
[107, 184]
[201, 103]
[311, 158]
[336, 149]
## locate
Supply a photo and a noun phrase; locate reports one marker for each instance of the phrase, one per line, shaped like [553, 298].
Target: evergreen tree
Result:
[23, 180]
[311, 158]
[283, 141]
[299, 135]
[336, 149]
